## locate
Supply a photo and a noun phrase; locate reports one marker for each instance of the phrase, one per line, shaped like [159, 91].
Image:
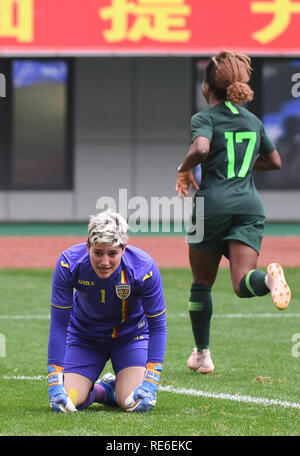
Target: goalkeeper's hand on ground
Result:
[58, 398]
[143, 398]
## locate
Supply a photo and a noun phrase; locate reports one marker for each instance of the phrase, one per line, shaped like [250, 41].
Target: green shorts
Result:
[221, 228]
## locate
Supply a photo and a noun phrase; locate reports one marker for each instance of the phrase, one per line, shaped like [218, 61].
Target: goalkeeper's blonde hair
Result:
[108, 227]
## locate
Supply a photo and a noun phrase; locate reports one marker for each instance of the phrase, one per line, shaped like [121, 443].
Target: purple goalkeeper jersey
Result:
[118, 307]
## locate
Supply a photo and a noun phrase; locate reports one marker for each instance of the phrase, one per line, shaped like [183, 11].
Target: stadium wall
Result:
[131, 130]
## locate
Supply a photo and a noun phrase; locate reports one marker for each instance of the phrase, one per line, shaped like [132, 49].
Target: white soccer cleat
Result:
[201, 362]
[108, 382]
[107, 378]
[280, 291]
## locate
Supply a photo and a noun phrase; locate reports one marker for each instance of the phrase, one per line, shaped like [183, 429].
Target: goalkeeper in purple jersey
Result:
[107, 304]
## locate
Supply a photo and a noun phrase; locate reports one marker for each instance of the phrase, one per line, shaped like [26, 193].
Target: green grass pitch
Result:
[255, 349]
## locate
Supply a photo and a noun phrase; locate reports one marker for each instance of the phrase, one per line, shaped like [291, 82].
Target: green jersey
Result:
[237, 137]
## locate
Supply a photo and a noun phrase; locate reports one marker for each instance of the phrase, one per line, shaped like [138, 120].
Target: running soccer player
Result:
[116, 313]
[229, 142]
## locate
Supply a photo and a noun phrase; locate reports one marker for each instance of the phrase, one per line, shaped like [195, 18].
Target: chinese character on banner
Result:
[16, 19]
[159, 20]
[282, 11]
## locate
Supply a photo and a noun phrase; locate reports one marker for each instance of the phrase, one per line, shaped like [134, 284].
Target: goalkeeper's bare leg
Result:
[128, 380]
[77, 387]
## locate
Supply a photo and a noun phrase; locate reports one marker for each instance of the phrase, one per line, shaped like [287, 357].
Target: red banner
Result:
[184, 27]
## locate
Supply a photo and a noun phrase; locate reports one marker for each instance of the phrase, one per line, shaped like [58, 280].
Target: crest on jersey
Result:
[123, 290]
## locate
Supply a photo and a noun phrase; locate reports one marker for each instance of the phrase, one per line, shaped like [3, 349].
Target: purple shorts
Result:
[89, 359]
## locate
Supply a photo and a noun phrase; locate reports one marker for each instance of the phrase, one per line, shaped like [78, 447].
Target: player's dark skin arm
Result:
[268, 162]
[197, 153]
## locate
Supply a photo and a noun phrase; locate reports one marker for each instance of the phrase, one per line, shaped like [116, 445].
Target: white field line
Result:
[192, 392]
[24, 377]
[179, 315]
[230, 397]
[241, 315]
[24, 317]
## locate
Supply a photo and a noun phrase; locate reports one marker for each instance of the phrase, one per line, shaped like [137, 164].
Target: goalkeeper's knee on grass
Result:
[143, 398]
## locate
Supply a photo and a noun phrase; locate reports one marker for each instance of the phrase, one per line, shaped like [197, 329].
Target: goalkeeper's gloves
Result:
[143, 398]
[58, 399]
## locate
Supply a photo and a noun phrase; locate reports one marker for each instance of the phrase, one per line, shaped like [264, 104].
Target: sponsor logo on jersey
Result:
[147, 276]
[141, 324]
[64, 265]
[86, 282]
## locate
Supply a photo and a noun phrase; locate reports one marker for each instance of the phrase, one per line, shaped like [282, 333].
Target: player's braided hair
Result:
[108, 227]
[227, 75]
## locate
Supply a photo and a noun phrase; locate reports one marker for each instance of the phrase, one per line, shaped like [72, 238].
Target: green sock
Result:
[200, 309]
[253, 284]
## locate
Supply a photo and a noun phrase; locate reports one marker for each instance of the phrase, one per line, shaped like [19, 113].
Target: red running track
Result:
[43, 252]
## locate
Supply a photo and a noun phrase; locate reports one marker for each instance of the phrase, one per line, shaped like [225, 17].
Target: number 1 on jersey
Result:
[231, 140]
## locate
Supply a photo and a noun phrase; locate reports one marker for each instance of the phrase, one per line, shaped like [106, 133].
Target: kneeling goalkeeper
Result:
[116, 313]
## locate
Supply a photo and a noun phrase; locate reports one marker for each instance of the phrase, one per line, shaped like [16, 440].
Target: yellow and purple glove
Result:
[143, 398]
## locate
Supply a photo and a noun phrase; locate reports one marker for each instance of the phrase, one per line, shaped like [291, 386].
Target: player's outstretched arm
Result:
[58, 399]
[143, 398]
